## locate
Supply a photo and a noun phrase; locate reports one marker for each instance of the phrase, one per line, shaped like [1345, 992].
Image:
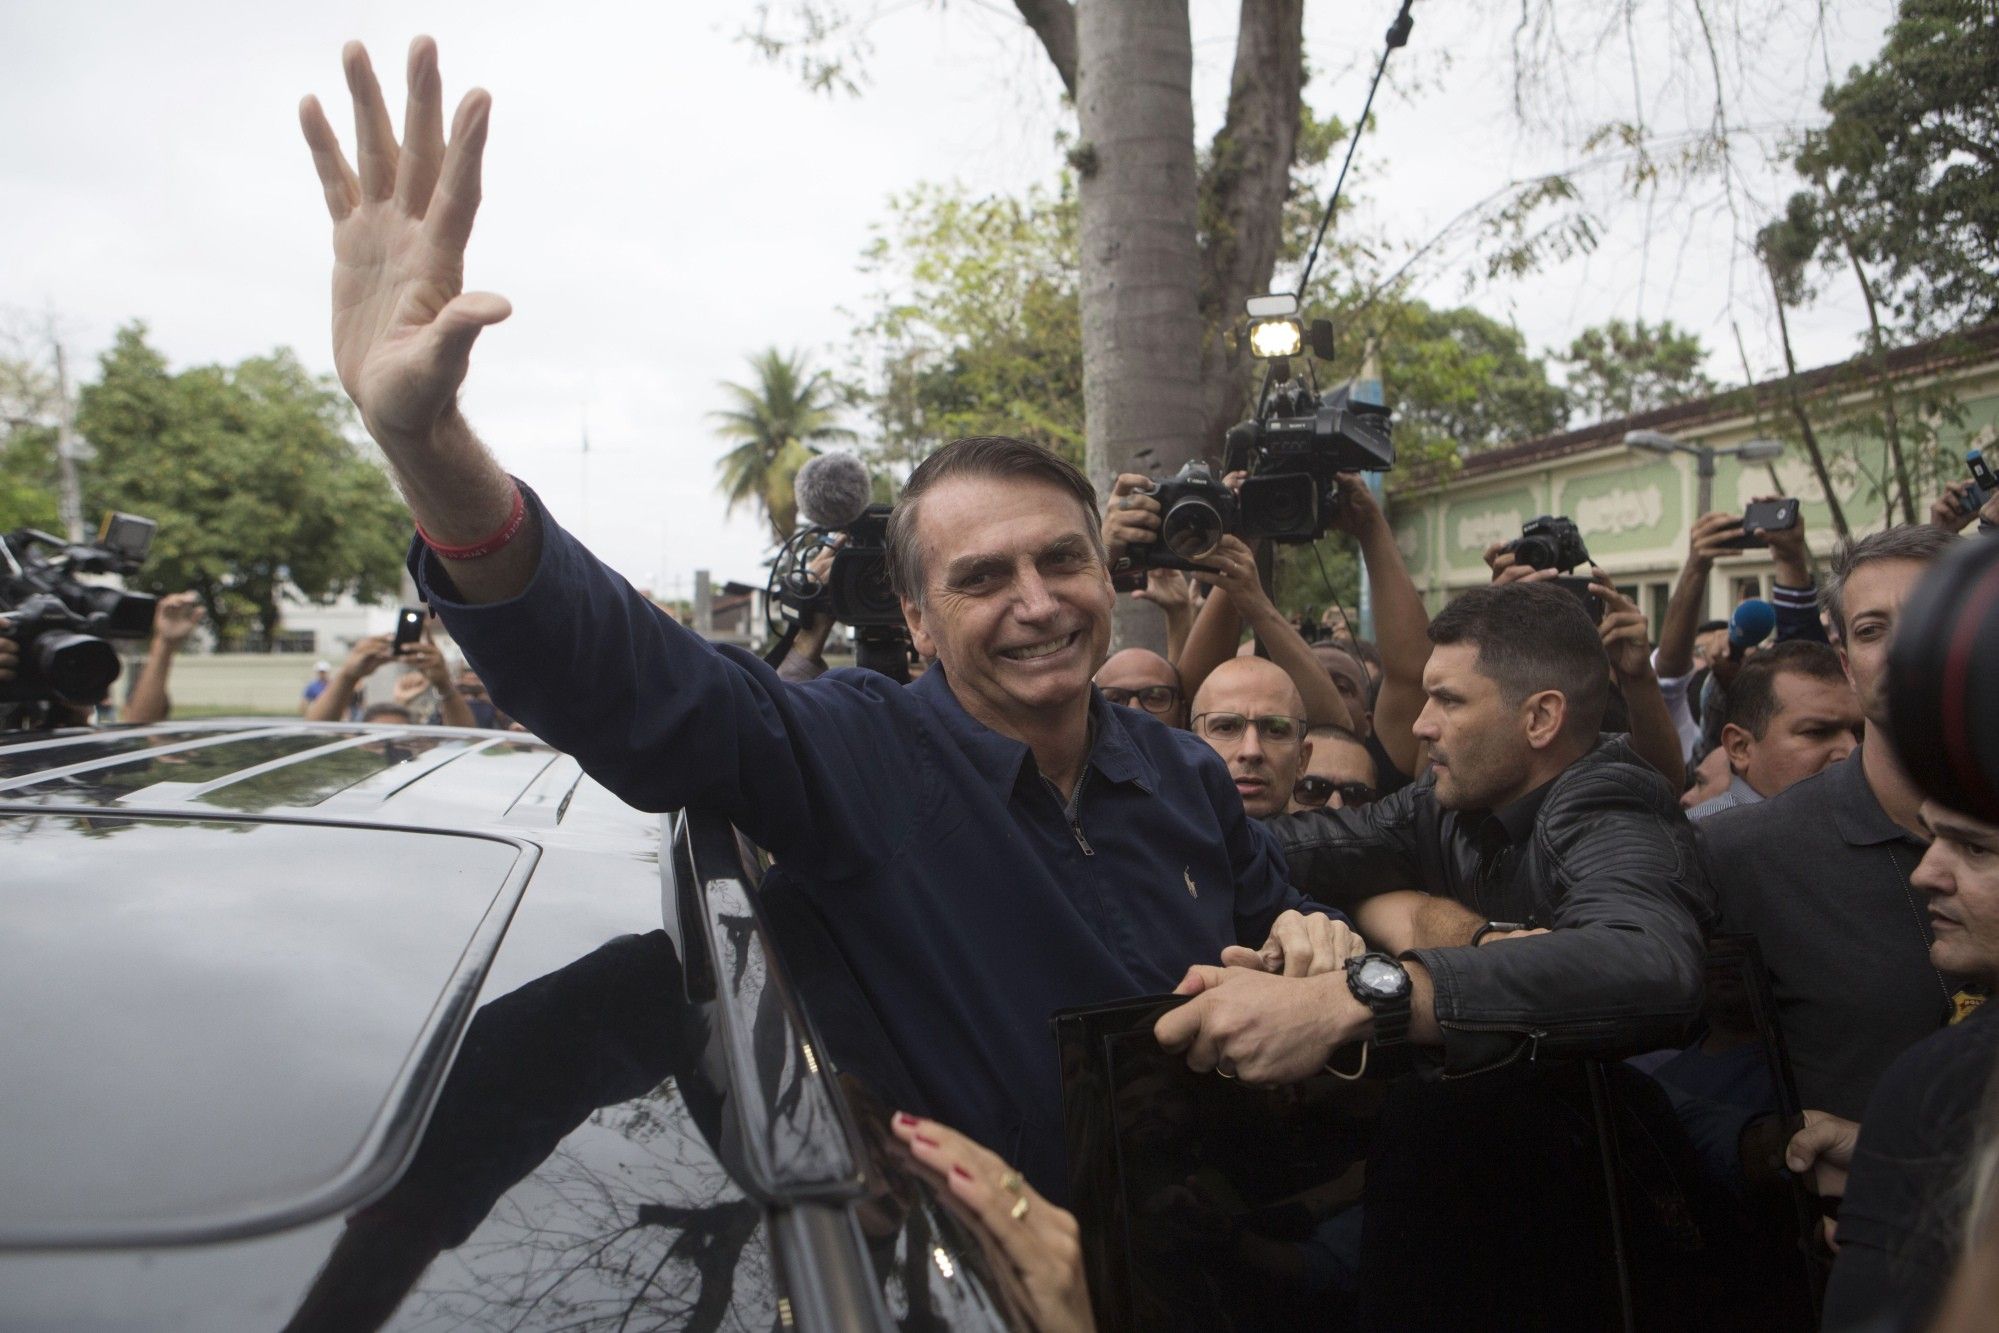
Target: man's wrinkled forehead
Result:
[1879, 588]
[976, 518]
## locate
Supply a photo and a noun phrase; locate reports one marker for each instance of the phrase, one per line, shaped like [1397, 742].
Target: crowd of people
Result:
[1480, 849]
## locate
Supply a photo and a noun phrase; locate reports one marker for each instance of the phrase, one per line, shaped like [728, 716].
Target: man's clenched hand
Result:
[402, 325]
[1300, 946]
[1261, 1028]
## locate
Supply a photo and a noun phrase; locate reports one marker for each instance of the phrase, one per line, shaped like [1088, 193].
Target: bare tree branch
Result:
[1054, 22]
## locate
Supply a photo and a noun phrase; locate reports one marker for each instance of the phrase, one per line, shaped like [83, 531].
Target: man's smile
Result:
[1034, 652]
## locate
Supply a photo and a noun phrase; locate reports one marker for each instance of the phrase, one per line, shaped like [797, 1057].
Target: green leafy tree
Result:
[1910, 161]
[1458, 379]
[975, 329]
[775, 424]
[253, 475]
[1618, 369]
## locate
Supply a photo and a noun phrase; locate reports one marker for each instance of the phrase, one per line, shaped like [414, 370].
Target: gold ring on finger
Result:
[1012, 1183]
[1019, 1209]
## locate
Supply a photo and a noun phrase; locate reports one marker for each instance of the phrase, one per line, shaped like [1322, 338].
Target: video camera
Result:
[1299, 437]
[61, 625]
[1549, 542]
[833, 492]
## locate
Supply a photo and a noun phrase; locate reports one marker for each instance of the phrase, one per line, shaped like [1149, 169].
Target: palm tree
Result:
[776, 425]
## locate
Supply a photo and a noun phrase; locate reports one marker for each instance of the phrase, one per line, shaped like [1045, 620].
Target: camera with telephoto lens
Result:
[1299, 438]
[1195, 512]
[1549, 542]
[61, 626]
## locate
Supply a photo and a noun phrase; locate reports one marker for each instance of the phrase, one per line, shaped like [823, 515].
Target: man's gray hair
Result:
[979, 456]
[1921, 542]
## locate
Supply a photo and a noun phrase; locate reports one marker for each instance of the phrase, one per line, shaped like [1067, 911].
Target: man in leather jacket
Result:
[1538, 887]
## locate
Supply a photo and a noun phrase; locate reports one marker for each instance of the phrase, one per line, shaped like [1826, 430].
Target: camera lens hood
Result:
[1942, 704]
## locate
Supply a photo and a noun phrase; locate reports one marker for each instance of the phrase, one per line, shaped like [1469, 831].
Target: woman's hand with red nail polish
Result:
[1041, 1241]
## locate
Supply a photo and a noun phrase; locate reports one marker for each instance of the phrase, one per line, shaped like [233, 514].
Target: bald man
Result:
[1254, 717]
[1141, 678]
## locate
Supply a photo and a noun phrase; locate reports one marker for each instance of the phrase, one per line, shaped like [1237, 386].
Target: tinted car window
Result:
[1549, 1195]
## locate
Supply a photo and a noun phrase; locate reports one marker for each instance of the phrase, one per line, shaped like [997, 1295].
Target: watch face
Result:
[1383, 978]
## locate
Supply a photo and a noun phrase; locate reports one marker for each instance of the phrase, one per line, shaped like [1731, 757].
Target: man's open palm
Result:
[402, 325]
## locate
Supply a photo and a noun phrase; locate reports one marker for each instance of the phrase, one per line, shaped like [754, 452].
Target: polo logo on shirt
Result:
[1188, 875]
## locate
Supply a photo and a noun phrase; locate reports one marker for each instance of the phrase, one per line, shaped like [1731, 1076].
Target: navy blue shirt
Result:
[968, 903]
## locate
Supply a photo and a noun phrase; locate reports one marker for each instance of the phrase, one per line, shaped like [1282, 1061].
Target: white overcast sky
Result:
[660, 202]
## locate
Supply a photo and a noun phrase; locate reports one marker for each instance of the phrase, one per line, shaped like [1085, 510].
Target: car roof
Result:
[440, 778]
[278, 930]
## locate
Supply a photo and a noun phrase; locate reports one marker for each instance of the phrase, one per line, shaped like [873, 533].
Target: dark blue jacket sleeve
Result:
[666, 720]
[1797, 613]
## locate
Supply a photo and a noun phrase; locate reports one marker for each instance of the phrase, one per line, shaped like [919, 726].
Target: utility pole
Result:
[69, 493]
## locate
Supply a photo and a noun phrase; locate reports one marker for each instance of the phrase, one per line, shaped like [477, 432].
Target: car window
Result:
[1564, 1193]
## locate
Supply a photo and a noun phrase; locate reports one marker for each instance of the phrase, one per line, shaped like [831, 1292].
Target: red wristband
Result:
[490, 544]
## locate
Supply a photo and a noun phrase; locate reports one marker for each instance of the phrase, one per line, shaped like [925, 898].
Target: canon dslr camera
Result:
[62, 626]
[1549, 542]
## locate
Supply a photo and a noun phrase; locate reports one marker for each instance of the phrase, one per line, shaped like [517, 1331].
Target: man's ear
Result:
[1736, 741]
[912, 615]
[1546, 712]
[1304, 759]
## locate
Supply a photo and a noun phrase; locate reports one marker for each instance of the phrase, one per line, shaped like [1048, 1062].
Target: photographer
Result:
[428, 672]
[1132, 518]
[1401, 628]
[364, 659]
[1236, 596]
[1819, 873]
[1528, 822]
[986, 846]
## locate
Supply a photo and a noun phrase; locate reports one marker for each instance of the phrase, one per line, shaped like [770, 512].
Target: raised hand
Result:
[177, 616]
[1131, 517]
[403, 326]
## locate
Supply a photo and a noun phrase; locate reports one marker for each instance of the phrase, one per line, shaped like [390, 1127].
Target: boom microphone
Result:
[1753, 622]
[833, 489]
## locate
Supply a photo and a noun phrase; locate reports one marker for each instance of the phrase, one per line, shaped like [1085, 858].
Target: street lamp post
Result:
[1749, 451]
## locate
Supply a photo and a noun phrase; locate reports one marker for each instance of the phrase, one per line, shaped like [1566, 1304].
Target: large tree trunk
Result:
[1140, 258]
[1243, 193]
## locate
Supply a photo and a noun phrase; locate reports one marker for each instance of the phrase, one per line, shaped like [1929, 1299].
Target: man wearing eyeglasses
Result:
[1251, 714]
[1140, 678]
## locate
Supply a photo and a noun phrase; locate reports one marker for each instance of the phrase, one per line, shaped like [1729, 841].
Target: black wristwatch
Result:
[1381, 983]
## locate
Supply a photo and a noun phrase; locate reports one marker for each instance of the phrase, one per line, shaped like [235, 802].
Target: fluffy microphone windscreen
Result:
[833, 489]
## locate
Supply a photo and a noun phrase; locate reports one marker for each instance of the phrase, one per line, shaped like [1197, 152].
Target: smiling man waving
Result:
[984, 847]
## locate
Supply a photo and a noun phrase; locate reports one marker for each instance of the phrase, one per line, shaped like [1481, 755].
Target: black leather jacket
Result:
[1609, 867]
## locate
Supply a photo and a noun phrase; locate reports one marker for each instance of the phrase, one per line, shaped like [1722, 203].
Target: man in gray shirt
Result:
[1820, 873]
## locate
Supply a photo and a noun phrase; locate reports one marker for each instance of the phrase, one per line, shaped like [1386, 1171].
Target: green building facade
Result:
[1635, 508]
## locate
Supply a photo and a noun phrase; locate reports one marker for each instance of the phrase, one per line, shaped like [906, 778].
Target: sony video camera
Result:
[1299, 437]
[62, 626]
[1549, 542]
